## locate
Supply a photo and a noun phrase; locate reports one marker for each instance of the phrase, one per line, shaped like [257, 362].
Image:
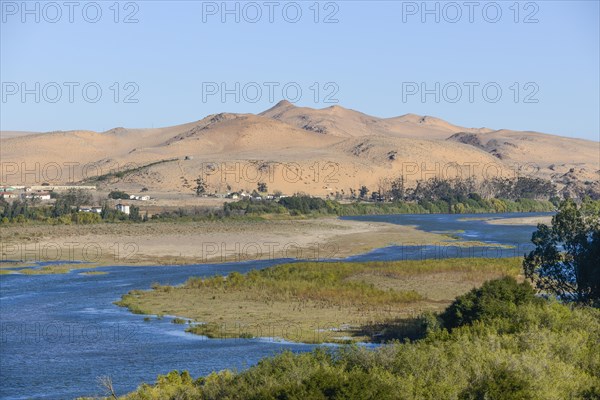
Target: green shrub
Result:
[497, 298]
[116, 194]
[552, 356]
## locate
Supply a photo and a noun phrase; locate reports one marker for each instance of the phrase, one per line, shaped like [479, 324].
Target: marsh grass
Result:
[320, 302]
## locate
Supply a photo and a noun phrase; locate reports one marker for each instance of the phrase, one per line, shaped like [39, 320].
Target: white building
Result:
[36, 195]
[97, 210]
[8, 195]
[123, 208]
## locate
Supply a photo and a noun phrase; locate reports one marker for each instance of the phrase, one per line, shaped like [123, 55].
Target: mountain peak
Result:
[284, 103]
[278, 108]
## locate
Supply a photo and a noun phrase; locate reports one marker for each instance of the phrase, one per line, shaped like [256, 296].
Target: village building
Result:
[8, 195]
[36, 195]
[123, 208]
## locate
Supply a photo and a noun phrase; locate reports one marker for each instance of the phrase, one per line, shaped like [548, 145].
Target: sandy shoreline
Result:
[168, 243]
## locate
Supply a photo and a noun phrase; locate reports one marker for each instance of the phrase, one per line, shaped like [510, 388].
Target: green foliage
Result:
[117, 195]
[251, 207]
[327, 282]
[71, 200]
[299, 205]
[134, 214]
[86, 218]
[549, 351]
[497, 298]
[304, 204]
[566, 259]
[502, 383]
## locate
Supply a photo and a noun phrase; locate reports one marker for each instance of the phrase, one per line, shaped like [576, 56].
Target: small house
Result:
[36, 196]
[123, 208]
[8, 195]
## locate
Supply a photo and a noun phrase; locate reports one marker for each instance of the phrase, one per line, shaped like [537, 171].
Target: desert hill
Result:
[295, 149]
[342, 122]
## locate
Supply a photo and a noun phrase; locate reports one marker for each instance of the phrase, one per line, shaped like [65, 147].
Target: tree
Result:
[200, 186]
[363, 192]
[262, 187]
[134, 214]
[105, 212]
[117, 194]
[566, 258]
[71, 199]
[397, 190]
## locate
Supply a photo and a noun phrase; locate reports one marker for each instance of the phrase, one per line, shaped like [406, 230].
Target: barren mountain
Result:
[293, 149]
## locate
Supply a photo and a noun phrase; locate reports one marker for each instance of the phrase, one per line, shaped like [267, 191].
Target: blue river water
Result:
[60, 333]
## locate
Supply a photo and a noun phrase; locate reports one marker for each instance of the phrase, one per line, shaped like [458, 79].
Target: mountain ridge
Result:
[364, 148]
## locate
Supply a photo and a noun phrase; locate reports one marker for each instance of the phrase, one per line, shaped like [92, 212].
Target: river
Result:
[59, 333]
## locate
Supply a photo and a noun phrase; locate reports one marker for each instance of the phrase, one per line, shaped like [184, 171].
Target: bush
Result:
[554, 357]
[118, 195]
[502, 383]
[497, 298]
[85, 218]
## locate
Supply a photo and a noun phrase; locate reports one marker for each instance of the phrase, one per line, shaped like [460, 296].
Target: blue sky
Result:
[377, 58]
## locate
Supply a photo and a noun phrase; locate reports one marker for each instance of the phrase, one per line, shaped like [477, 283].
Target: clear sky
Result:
[378, 57]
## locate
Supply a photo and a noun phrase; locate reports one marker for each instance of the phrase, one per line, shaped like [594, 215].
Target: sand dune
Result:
[339, 121]
[295, 149]
[554, 155]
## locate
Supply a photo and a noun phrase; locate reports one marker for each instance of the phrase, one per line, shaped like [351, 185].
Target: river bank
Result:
[181, 243]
